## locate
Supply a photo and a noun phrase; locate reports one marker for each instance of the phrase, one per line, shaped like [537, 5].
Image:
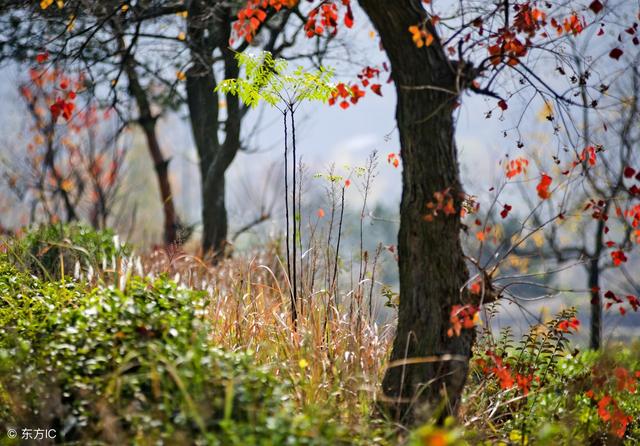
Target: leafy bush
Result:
[135, 366]
[541, 391]
[46, 250]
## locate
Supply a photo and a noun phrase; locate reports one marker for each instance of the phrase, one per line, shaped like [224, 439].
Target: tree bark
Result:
[428, 369]
[595, 340]
[594, 270]
[209, 29]
[161, 165]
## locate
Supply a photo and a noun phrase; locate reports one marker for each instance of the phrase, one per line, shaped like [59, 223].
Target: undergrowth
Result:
[166, 349]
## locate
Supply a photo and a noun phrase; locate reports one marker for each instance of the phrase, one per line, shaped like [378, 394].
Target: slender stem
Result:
[334, 282]
[294, 314]
[373, 281]
[295, 212]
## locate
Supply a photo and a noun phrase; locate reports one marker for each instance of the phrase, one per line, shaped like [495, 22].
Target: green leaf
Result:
[266, 79]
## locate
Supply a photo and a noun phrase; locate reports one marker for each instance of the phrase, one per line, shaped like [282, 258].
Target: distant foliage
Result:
[50, 250]
[71, 166]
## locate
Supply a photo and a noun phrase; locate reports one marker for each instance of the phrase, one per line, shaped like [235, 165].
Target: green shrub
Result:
[45, 250]
[541, 390]
[136, 366]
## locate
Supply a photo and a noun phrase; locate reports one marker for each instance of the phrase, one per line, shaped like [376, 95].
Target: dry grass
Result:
[334, 355]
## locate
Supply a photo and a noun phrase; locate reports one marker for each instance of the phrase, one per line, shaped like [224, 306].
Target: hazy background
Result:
[326, 135]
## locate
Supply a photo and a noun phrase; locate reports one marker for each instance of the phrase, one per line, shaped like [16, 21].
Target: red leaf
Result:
[503, 104]
[462, 317]
[629, 172]
[596, 6]
[516, 167]
[634, 302]
[376, 88]
[603, 413]
[348, 17]
[567, 325]
[589, 155]
[543, 186]
[616, 53]
[42, 57]
[392, 158]
[505, 211]
[261, 15]
[618, 257]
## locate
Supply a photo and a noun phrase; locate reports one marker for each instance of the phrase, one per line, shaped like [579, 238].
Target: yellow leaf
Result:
[546, 111]
[429, 39]
[180, 75]
[538, 239]
[72, 23]
[516, 437]
[44, 4]
[182, 36]
[66, 185]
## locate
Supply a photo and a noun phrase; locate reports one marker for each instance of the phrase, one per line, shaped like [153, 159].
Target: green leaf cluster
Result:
[50, 250]
[136, 366]
[268, 79]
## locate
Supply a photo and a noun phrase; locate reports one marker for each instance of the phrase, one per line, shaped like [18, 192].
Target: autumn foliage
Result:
[73, 162]
[512, 242]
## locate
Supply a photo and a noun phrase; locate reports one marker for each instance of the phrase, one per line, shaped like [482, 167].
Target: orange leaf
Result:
[543, 186]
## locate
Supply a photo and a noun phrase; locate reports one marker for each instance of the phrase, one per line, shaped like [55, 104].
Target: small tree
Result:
[267, 80]
[73, 158]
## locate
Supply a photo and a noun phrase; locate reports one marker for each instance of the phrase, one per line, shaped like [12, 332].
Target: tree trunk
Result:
[148, 123]
[214, 218]
[595, 341]
[596, 304]
[161, 167]
[49, 162]
[209, 29]
[428, 369]
[203, 110]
